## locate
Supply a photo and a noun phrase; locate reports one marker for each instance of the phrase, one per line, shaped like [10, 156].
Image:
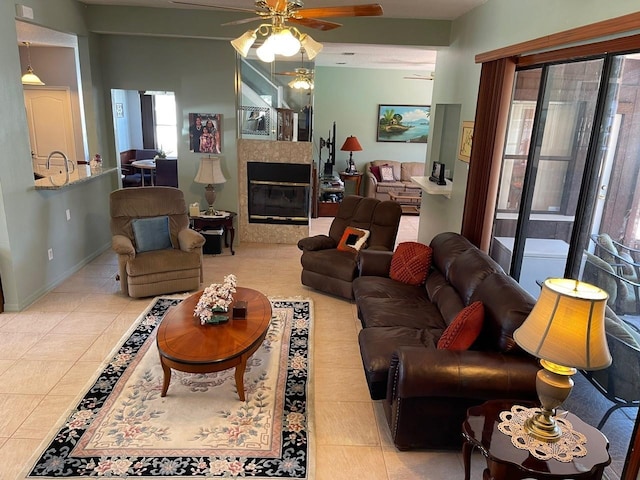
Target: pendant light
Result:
[30, 78]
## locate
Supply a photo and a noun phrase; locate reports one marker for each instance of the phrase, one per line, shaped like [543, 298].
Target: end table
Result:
[506, 462]
[203, 222]
[352, 177]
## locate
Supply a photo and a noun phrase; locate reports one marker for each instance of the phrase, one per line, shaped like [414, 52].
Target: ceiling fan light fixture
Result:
[284, 42]
[265, 52]
[243, 43]
[301, 83]
[311, 47]
[30, 78]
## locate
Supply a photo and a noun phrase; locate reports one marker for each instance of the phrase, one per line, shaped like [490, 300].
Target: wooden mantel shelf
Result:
[433, 188]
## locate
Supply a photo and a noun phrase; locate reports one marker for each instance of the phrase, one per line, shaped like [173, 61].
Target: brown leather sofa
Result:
[330, 270]
[426, 391]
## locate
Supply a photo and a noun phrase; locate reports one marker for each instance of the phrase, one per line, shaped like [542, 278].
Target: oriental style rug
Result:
[121, 426]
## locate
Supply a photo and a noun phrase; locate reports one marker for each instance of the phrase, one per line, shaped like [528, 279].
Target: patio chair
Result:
[620, 382]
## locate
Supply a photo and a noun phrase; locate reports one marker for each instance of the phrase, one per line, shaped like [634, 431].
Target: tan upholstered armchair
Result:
[329, 269]
[157, 252]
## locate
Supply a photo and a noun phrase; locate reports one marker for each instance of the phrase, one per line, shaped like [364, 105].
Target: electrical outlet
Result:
[447, 174]
[68, 214]
[50, 253]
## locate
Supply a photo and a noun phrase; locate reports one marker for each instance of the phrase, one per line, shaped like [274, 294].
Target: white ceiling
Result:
[429, 9]
[334, 54]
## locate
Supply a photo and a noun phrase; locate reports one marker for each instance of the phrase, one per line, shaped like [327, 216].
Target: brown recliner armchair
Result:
[176, 268]
[330, 270]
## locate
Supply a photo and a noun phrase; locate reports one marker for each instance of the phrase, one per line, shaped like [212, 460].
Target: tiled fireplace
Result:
[273, 228]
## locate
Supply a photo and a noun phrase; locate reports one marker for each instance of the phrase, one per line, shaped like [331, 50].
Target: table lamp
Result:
[351, 145]
[565, 330]
[210, 173]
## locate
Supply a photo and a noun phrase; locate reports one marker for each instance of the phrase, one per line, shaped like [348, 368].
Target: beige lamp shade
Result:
[566, 325]
[210, 171]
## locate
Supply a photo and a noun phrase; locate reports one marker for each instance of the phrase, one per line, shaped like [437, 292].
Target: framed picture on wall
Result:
[466, 138]
[404, 123]
[256, 120]
[204, 132]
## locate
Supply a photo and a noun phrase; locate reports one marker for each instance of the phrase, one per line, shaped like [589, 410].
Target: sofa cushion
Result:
[386, 187]
[158, 262]
[410, 263]
[506, 306]
[411, 169]
[464, 330]
[353, 239]
[389, 312]
[151, 233]
[375, 169]
[386, 173]
[384, 287]
[330, 263]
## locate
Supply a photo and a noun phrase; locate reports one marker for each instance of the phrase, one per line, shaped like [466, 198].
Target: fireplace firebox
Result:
[279, 193]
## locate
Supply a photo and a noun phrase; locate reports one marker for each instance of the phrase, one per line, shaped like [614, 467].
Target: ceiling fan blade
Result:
[370, 10]
[291, 74]
[195, 4]
[240, 22]
[315, 23]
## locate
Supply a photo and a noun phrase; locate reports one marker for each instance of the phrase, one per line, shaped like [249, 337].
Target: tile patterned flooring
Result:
[50, 350]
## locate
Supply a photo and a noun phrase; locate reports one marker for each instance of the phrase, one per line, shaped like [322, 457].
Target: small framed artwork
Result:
[466, 138]
[204, 132]
[256, 120]
[404, 123]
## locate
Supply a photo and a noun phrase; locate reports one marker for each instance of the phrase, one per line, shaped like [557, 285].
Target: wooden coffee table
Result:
[410, 204]
[186, 345]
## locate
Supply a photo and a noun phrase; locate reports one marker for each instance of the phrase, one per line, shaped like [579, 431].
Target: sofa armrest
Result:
[420, 372]
[374, 262]
[190, 240]
[123, 245]
[370, 184]
[317, 242]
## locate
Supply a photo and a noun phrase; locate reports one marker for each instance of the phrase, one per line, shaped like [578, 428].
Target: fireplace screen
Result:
[279, 193]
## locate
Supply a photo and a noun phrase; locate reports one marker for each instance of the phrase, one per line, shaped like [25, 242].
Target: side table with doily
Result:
[483, 428]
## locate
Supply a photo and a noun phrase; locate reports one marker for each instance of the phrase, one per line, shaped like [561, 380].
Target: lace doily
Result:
[571, 444]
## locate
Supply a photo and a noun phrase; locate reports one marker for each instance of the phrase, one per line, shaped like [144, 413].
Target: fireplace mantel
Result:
[274, 152]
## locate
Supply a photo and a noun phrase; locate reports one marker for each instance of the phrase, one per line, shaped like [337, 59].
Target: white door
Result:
[50, 125]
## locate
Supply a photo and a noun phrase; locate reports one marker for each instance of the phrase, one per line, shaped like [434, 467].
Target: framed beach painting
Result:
[404, 123]
[466, 138]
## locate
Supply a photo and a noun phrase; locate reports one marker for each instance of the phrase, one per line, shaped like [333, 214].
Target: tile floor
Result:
[49, 351]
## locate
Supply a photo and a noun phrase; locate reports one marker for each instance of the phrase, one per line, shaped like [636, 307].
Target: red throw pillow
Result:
[375, 169]
[410, 263]
[353, 239]
[464, 330]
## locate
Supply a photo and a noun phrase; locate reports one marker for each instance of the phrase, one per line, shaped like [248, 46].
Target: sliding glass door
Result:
[569, 206]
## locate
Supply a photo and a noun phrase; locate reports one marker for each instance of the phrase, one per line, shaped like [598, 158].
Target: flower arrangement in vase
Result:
[215, 300]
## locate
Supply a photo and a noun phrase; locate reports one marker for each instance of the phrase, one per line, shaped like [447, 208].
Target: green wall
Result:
[495, 24]
[32, 221]
[350, 97]
[200, 72]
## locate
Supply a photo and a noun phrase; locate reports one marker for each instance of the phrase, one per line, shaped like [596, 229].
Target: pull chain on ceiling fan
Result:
[281, 39]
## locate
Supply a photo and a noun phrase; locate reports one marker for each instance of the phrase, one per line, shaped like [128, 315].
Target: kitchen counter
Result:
[81, 173]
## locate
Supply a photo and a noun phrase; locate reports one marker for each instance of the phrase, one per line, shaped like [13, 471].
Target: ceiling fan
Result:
[294, 12]
[281, 39]
[303, 78]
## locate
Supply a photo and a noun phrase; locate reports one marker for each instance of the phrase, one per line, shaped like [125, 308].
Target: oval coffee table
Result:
[186, 345]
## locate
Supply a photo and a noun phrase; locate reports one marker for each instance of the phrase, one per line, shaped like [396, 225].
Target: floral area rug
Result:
[122, 427]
